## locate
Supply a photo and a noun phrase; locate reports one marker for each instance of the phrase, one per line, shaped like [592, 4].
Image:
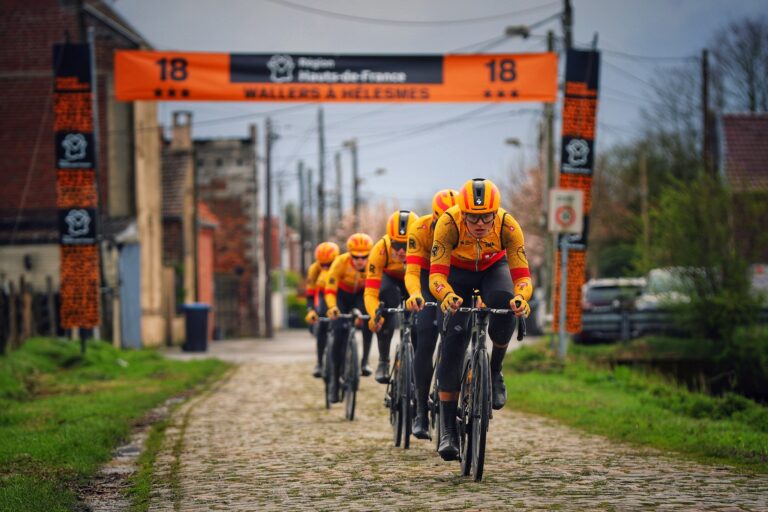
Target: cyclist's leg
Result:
[496, 290]
[449, 370]
[322, 329]
[426, 331]
[367, 337]
[389, 294]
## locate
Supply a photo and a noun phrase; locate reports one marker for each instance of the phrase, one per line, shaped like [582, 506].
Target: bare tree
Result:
[740, 71]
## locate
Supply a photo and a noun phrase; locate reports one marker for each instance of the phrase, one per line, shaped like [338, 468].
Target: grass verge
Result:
[61, 414]
[647, 410]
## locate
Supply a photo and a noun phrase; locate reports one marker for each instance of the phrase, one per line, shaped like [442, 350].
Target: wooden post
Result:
[51, 302]
[13, 331]
[26, 311]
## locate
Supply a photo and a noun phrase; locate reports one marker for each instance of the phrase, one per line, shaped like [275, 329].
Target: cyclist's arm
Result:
[314, 270]
[446, 238]
[512, 238]
[332, 284]
[417, 257]
[376, 262]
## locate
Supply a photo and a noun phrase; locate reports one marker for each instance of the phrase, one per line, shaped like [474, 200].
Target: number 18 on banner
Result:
[566, 210]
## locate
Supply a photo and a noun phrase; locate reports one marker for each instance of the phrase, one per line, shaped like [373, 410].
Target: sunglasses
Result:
[359, 257]
[474, 218]
[325, 265]
[398, 246]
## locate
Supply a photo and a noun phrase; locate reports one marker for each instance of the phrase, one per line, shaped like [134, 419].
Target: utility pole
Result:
[549, 181]
[644, 206]
[339, 209]
[706, 146]
[568, 24]
[281, 254]
[352, 145]
[269, 331]
[310, 224]
[302, 229]
[321, 178]
[258, 266]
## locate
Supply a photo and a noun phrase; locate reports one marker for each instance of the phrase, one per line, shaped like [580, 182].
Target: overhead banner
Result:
[577, 158]
[189, 76]
[76, 196]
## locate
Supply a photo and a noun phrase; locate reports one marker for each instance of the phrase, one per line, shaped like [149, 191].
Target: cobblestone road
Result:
[262, 440]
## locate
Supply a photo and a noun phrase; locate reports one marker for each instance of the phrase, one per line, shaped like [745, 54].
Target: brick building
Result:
[128, 158]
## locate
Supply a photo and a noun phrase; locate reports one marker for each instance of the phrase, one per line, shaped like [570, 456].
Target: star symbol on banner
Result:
[487, 94]
[158, 93]
[171, 93]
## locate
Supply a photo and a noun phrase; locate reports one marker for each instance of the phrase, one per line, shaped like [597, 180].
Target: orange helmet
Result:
[479, 195]
[443, 200]
[359, 244]
[326, 252]
[398, 223]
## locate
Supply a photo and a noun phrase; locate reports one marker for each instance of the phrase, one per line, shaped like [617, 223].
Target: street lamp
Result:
[351, 144]
[518, 31]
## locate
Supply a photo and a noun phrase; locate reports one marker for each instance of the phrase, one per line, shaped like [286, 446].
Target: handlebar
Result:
[521, 331]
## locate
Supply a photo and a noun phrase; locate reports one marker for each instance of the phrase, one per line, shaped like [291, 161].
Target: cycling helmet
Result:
[326, 252]
[479, 196]
[359, 244]
[398, 223]
[442, 201]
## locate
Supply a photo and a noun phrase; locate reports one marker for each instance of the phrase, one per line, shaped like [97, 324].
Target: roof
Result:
[745, 146]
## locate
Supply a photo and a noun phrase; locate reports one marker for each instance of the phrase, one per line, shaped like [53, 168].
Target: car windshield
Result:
[606, 294]
[666, 281]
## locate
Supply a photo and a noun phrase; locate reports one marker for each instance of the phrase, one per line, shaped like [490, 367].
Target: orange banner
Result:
[190, 76]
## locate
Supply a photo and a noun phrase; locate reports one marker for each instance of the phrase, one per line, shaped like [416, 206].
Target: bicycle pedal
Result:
[387, 402]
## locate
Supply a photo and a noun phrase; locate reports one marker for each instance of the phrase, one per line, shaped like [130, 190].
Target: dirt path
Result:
[262, 440]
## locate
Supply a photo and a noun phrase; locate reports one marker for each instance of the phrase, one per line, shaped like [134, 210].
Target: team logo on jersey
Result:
[371, 268]
[521, 255]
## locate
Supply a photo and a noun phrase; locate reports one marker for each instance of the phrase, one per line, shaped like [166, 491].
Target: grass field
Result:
[61, 414]
[648, 410]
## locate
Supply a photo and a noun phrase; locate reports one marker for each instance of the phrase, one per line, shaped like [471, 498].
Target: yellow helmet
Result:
[326, 252]
[479, 195]
[359, 244]
[443, 200]
[398, 223]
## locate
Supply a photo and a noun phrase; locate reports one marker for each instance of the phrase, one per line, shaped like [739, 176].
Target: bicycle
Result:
[400, 396]
[350, 376]
[474, 408]
[327, 370]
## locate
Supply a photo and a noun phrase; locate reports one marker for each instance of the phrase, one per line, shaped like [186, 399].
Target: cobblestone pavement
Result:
[262, 440]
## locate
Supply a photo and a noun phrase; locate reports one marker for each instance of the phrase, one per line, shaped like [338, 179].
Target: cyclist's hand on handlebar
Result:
[480, 303]
[334, 313]
[451, 303]
[311, 317]
[415, 302]
[374, 324]
[520, 306]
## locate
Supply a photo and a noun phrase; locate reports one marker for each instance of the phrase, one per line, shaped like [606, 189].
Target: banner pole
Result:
[563, 292]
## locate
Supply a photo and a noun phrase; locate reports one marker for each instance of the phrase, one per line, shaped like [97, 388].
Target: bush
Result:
[297, 307]
[746, 353]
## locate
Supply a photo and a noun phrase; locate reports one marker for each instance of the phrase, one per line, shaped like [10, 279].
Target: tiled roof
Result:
[746, 151]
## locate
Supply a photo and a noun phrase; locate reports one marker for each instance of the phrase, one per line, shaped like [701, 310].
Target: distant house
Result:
[743, 167]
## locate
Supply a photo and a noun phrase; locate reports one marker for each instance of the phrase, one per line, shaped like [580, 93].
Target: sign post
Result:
[566, 218]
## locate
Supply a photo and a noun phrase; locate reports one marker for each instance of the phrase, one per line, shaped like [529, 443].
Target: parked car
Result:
[665, 288]
[605, 306]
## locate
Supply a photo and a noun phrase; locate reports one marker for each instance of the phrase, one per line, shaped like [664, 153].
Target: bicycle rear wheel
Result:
[351, 377]
[464, 412]
[393, 389]
[481, 410]
[407, 393]
[327, 370]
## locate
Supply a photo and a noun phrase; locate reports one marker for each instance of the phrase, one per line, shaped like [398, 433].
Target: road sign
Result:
[566, 210]
[198, 76]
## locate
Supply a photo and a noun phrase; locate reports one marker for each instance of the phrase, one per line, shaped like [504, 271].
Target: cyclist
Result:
[325, 253]
[386, 271]
[472, 241]
[343, 293]
[420, 236]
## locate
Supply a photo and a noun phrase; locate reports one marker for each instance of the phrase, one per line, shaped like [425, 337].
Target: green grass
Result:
[62, 414]
[647, 410]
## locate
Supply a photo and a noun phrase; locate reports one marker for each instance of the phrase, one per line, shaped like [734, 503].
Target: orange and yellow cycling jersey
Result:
[381, 261]
[317, 277]
[453, 245]
[420, 236]
[343, 276]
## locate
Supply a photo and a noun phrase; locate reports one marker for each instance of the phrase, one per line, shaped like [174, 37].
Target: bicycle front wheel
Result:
[481, 411]
[464, 413]
[394, 401]
[328, 370]
[351, 377]
[407, 393]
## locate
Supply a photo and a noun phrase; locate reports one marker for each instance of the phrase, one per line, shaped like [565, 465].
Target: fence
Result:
[26, 312]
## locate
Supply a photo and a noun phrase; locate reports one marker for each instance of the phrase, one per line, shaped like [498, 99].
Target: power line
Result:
[629, 74]
[384, 21]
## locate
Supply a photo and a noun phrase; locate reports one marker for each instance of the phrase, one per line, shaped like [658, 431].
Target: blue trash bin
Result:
[196, 327]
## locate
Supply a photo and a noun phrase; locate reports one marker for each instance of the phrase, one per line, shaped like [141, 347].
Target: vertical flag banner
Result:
[76, 197]
[577, 158]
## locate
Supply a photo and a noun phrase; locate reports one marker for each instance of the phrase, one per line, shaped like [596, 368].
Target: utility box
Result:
[196, 327]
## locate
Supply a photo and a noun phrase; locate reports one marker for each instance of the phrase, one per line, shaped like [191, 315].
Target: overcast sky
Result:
[653, 32]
